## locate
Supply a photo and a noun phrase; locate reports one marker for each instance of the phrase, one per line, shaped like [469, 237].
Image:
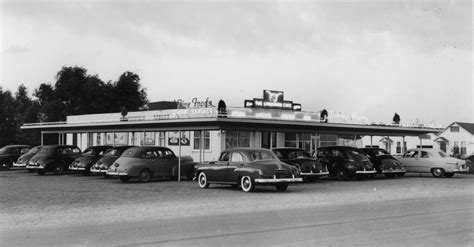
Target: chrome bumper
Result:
[313, 174]
[34, 167]
[366, 172]
[98, 171]
[277, 180]
[461, 170]
[393, 171]
[117, 173]
[77, 168]
[19, 164]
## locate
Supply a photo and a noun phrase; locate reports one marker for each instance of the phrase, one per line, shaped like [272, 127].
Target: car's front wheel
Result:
[401, 174]
[144, 176]
[247, 184]
[5, 165]
[281, 186]
[341, 175]
[437, 172]
[124, 178]
[202, 181]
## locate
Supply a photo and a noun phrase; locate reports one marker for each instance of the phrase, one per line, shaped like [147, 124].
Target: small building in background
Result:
[457, 139]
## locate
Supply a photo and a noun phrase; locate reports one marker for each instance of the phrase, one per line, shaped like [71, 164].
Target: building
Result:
[457, 139]
[202, 131]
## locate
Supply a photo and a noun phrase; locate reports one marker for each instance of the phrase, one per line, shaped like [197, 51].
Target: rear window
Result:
[112, 152]
[129, 152]
[356, 154]
[263, 156]
[89, 151]
[298, 154]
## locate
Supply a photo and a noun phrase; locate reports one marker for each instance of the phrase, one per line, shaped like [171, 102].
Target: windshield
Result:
[89, 151]
[259, 155]
[3, 150]
[47, 150]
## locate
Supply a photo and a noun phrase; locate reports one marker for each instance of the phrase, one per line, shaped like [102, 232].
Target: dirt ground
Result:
[30, 201]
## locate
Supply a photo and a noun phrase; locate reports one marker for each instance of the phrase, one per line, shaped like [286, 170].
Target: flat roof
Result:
[243, 119]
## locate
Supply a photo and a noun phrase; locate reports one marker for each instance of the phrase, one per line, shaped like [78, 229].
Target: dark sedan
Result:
[25, 158]
[247, 167]
[310, 168]
[145, 163]
[384, 163]
[108, 159]
[53, 158]
[84, 162]
[9, 154]
[345, 162]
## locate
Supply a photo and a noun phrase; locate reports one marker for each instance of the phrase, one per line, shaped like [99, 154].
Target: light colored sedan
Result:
[428, 160]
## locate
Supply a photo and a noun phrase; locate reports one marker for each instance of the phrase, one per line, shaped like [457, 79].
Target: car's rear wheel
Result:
[59, 170]
[389, 175]
[437, 172]
[5, 165]
[107, 176]
[202, 180]
[31, 170]
[341, 175]
[247, 184]
[144, 176]
[124, 178]
[281, 186]
[401, 174]
[40, 172]
[449, 174]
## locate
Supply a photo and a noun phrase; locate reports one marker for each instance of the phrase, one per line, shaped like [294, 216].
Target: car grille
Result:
[280, 173]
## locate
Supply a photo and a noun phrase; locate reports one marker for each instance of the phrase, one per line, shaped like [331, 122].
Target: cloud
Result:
[15, 49]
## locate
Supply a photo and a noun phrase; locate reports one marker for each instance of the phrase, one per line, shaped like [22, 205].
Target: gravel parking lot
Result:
[31, 201]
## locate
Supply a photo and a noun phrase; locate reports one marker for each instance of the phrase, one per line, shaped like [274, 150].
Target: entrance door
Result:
[268, 139]
[442, 146]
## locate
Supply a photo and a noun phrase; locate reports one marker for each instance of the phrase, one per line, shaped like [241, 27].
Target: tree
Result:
[26, 111]
[128, 92]
[50, 108]
[7, 118]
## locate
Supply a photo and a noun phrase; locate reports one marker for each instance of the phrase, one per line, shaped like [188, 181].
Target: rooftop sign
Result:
[274, 100]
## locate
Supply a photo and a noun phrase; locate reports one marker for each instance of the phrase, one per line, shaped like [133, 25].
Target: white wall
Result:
[461, 136]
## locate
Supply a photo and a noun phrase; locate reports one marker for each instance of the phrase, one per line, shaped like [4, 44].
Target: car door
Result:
[236, 161]
[216, 171]
[167, 162]
[154, 159]
[410, 161]
[424, 162]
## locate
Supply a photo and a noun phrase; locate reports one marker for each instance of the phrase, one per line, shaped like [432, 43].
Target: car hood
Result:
[41, 157]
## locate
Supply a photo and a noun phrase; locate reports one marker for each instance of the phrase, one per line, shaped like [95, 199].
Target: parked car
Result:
[25, 158]
[11, 153]
[148, 162]
[385, 163]
[310, 168]
[248, 167]
[53, 158]
[84, 162]
[428, 160]
[108, 159]
[345, 162]
[470, 163]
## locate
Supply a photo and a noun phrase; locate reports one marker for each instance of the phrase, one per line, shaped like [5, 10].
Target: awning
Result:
[441, 139]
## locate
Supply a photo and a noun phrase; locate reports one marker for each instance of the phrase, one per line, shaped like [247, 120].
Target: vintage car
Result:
[9, 154]
[470, 163]
[247, 167]
[84, 162]
[436, 162]
[345, 162]
[25, 158]
[108, 159]
[145, 163]
[385, 163]
[310, 168]
[53, 158]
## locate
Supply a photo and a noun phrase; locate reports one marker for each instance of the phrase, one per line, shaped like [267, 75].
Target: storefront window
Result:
[463, 148]
[160, 137]
[291, 140]
[235, 139]
[197, 140]
[399, 148]
[149, 138]
[304, 141]
[327, 140]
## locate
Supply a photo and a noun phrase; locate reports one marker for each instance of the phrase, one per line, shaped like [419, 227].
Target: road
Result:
[446, 221]
[93, 211]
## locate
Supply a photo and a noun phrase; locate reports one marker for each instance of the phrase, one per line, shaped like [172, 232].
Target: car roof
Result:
[337, 147]
[58, 146]
[16, 146]
[288, 149]
[246, 149]
[421, 149]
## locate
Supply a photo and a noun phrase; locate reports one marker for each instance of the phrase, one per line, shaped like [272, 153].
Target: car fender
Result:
[247, 171]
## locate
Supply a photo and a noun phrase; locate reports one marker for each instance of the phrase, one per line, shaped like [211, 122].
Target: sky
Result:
[371, 57]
